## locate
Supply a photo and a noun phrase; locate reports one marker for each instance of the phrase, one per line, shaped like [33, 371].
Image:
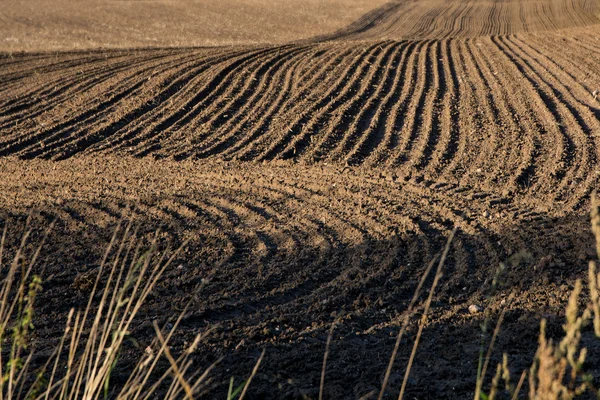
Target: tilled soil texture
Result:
[316, 180]
[287, 249]
[43, 25]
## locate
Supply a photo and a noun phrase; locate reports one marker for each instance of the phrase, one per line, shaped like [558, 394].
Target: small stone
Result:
[486, 214]
[475, 309]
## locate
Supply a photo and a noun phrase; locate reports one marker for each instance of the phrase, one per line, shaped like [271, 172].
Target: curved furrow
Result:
[64, 83]
[334, 222]
[22, 73]
[68, 92]
[77, 87]
[370, 21]
[272, 85]
[312, 89]
[487, 25]
[258, 228]
[461, 23]
[289, 240]
[276, 214]
[124, 89]
[577, 66]
[566, 84]
[138, 106]
[346, 127]
[473, 246]
[267, 280]
[577, 155]
[560, 162]
[529, 171]
[311, 230]
[195, 104]
[232, 104]
[413, 116]
[219, 235]
[580, 118]
[547, 18]
[64, 139]
[328, 127]
[230, 93]
[401, 20]
[366, 108]
[506, 146]
[288, 89]
[425, 25]
[295, 134]
[376, 120]
[29, 89]
[306, 86]
[445, 148]
[249, 225]
[37, 94]
[428, 115]
[476, 246]
[399, 109]
[257, 84]
[496, 26]
[280, 90]
[173, 95]
[211, 228]
[260, 221]
[398, 23]
[455, 24]
[286, 203]
[27, 66]
[314, 194]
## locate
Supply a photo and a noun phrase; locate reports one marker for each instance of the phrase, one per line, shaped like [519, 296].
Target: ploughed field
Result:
[317, 177]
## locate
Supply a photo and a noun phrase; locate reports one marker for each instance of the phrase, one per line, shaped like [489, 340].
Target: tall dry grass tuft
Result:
[557, 371]
[423, 321]
[87, 354]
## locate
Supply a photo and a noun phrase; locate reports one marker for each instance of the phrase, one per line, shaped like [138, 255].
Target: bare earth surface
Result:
[316, 179]
[44, 25]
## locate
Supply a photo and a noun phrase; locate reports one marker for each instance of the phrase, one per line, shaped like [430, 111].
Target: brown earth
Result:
[44, 25]
[315, 180]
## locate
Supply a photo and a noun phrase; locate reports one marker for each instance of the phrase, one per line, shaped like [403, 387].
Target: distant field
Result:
[40, 25]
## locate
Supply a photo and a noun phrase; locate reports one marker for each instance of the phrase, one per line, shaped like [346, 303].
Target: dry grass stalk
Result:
[81, 366]
[594, 282]
[324, 368]
[515, 395]
[409, 313]
[595, 220]
[254, 371]
[556, 363]
[436, 280]
[506, 375]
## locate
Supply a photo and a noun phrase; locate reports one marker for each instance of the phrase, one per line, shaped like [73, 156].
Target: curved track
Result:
[509, 112]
